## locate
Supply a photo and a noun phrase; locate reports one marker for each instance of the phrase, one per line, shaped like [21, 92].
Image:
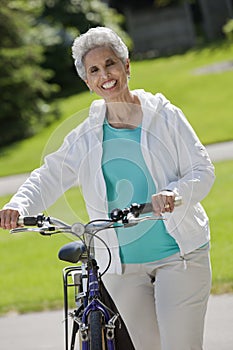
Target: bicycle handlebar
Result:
[137, 209]
[36, 220]
[76, 252]
[128, 216]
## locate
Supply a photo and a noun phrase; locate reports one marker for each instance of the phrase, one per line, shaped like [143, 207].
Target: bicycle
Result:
[93, 321]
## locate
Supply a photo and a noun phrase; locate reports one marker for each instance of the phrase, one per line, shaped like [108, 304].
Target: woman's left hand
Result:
[163, 202]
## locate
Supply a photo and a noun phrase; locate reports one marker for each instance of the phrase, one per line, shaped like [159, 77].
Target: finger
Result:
[158, 204]
[169, 204]
[169, 201]
[163, 202]
[155, 206]
[7, 219]
[2, 219]
[14, 219]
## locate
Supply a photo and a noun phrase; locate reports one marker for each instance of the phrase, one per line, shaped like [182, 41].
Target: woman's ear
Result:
[86, 82]
[127, 66]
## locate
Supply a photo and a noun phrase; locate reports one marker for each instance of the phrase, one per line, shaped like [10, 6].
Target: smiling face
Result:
[106, 74]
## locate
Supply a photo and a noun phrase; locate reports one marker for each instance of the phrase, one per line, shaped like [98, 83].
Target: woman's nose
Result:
[104, 73]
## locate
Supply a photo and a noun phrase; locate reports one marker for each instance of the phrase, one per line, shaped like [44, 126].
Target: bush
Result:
[35, 57]
[228, 30]
[24, 88]
[70, 18]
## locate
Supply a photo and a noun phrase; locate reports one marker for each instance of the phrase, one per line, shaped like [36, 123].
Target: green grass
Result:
[26, 155]
[30, 272]
[220, 211]
[205, 99]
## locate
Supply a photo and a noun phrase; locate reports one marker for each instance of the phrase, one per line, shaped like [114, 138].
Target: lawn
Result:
[205, 99]
[220, 211]
[31, 273]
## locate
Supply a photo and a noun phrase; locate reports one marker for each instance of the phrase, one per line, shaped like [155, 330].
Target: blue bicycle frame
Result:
[96, 305]
[90, 302]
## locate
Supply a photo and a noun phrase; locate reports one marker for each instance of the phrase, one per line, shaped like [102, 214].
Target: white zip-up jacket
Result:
[173, 153]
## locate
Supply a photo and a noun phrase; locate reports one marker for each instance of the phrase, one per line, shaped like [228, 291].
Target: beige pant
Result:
[169, 313]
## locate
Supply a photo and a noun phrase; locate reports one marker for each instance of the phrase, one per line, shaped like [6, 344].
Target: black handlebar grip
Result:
[146, 208]
[28, 220]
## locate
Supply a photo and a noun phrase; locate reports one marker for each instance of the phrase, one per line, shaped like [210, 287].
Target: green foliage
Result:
[24, 88]
[35, 58]
[228, 29]
[71, 18]
[136, 5]
[163, 3]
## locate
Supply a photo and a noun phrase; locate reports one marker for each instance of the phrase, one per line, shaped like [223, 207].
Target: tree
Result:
[24, 87]
[138, 4]
[35, 57]
[70, 18]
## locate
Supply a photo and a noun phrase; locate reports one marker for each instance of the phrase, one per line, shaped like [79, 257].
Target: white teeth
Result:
[109, 84]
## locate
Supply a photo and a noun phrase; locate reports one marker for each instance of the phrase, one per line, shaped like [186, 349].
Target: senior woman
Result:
[135, 147]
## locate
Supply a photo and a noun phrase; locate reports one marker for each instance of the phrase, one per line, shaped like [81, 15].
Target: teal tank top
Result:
[128, 181]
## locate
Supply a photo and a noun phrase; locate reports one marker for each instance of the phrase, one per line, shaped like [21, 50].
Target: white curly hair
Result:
[97, 37]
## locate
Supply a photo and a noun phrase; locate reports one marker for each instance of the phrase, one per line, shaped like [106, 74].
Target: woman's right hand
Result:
[8, 218]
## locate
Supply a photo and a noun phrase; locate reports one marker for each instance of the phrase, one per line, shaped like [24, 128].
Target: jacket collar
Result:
[150, 104]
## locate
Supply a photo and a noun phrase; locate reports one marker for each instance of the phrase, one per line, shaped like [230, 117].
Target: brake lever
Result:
[44, 231]
[131, 220]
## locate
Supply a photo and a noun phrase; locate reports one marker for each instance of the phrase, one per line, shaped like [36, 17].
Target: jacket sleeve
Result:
[195, 170]
[47, 183]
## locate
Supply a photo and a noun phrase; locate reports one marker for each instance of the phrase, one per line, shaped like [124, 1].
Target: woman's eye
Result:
[109, 63]
[94, 69]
